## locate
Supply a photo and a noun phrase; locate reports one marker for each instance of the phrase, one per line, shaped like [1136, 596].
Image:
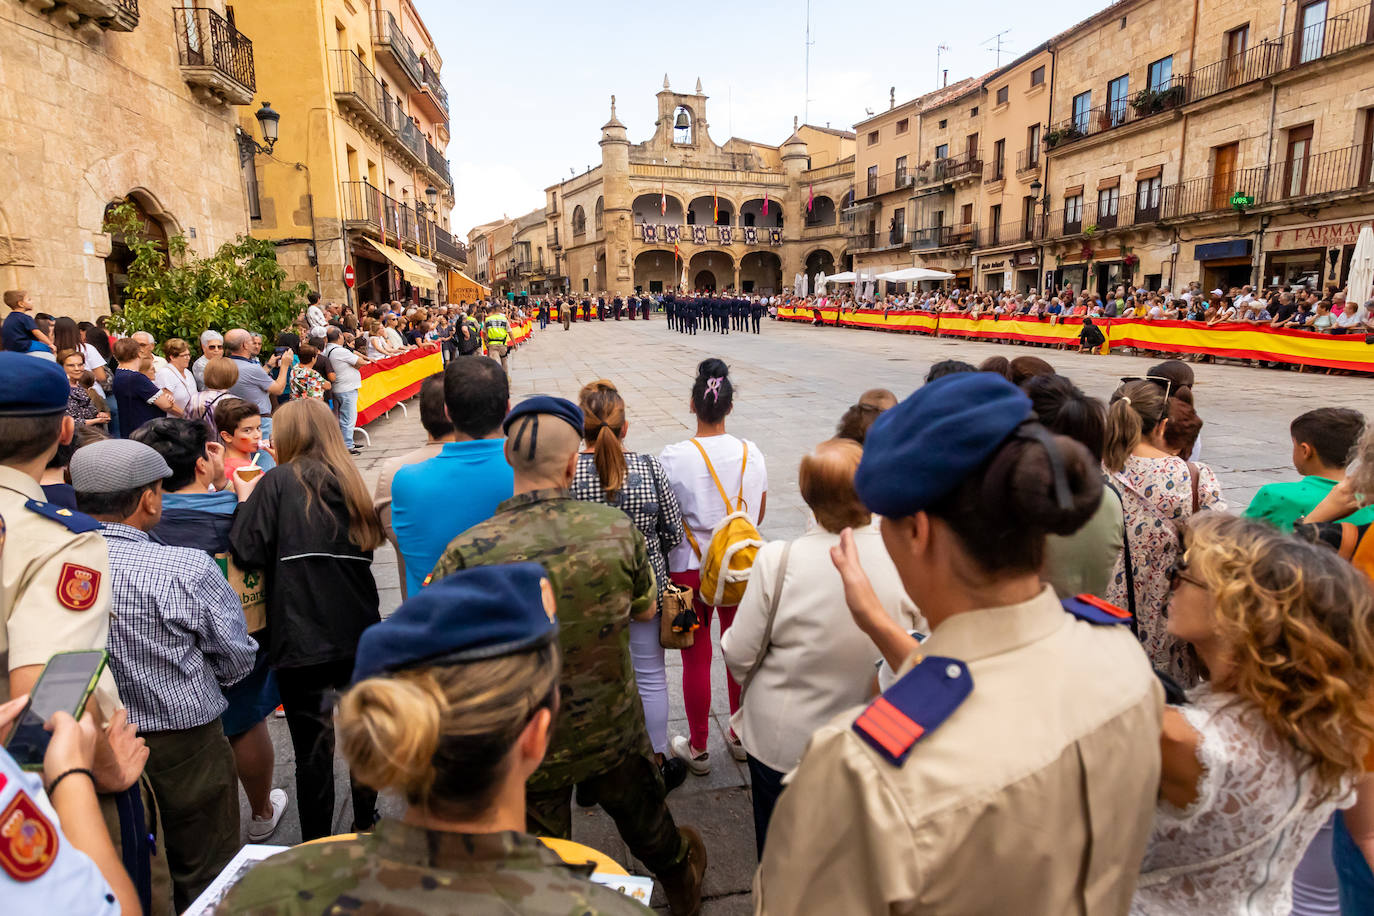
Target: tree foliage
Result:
[176, 293]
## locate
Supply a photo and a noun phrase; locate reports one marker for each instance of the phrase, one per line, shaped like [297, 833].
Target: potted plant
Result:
[1143, 102]
[1091, 230]
[1052, 137]
[1172, 97]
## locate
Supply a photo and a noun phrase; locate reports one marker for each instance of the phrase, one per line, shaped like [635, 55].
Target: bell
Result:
[682, 123]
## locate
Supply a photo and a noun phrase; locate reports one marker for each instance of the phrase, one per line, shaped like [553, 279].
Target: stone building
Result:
[741, 214]
[110, 100]
[359, 176]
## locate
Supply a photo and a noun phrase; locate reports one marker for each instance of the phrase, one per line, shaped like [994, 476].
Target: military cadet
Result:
[632, 306]
[645, 303]
[587, 309]
[756, 310]
[599, 571]
[565, 313]
[451, 707]
[669, 308]
[1013, 766]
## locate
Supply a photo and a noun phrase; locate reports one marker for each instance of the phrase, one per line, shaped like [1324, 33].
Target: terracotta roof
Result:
[847, 134]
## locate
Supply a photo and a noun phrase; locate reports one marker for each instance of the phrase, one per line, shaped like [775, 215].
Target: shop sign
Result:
[1330, 234]
[1241, 201]
[1025, 259]
[993, 265]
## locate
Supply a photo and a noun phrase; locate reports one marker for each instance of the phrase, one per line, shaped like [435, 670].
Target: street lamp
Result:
[269, 122]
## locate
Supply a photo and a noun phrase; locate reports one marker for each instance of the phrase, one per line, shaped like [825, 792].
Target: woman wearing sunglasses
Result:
[1271, 743]
[1159, 492]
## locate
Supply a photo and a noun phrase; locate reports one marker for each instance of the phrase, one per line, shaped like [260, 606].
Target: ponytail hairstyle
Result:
[713, 395]
[1136, 409]
[603, 423]
[441, 736]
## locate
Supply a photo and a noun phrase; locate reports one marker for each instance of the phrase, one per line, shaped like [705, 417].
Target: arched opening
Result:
[579, 221]
[657, 271]
[818, 261]
[822, 213]
[711, 211]
[658, 209]
[121, 256]
[711, 270]
[760, 272]
[599, 279]
[751, 213]
[682, 126]
[600, 209]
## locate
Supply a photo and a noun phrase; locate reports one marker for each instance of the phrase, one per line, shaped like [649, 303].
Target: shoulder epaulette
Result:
[913, 707]
[1094, 610]
[76, 522]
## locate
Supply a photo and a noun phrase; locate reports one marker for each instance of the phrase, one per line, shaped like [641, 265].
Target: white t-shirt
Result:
[702, 507]
[343, 361]
[180, 382]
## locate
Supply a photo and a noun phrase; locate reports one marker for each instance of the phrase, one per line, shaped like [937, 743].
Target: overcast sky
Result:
[530, 83]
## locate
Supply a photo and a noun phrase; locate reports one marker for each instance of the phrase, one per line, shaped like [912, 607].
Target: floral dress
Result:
[1157, 499]
[306, 383]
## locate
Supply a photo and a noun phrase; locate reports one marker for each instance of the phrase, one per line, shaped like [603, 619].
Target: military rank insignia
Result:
[77, 587]
[913, 707]
[1094, 610]
[28, 842]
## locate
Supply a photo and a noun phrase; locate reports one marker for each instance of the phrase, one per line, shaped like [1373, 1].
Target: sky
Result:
[530, 83]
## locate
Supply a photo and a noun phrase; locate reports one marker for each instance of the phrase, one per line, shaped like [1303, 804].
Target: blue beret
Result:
[34, 387]
[474, 614]
[920, 450]
[561, 408]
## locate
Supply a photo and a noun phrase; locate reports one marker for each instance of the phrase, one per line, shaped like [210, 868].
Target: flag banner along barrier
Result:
[387, 382]
[1238, 340]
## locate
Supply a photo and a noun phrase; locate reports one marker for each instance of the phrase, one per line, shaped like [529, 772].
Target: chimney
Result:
[945, 79]
[892, 98]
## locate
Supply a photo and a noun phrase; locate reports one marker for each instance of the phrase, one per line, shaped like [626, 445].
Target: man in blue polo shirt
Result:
[425, 515]
[254, 384]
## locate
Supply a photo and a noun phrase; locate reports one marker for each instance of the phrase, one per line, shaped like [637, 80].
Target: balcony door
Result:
[1311, 31]
[1224, 175]
[1295, 164]
[1237, 41]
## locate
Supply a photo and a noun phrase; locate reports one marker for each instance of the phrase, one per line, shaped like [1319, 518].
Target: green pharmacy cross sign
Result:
[1242, 201]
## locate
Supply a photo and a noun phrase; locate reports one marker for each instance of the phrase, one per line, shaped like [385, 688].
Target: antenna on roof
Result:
[806, 103]
[940, 49]
[998, 49]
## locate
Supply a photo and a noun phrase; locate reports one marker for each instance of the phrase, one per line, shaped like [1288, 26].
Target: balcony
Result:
[950, 170]
[1315, 178]
[821, 230]
[449, 248]
[659, 234]
[997, 171]
[216, 58]
[90, 17]
[437, 164]
[956, 236]
[1028, 229]
[433, 98]
[393, 221]
[392, 46]
[1114, 114]
[1028, 162]
[885, 184]
[357, 90]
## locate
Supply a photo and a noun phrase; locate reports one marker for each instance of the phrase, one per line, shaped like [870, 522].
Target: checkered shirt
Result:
[177, 632]
[646, 497]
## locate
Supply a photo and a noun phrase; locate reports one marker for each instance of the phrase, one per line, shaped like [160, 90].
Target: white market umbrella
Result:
[1361, 281]
[914, 275]
[802, 284]
[683, 287]
[820, 282]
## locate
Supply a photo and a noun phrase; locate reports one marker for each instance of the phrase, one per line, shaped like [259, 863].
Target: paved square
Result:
[792, 384]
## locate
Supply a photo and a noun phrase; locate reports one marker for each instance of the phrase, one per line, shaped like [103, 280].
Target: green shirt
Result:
[1282, 504]
[598, 565]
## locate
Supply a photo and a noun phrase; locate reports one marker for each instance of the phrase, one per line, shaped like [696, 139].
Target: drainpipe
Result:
[1045, 200]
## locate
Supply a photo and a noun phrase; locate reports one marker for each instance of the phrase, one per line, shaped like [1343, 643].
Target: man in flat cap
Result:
[177, 636]
[598, 565]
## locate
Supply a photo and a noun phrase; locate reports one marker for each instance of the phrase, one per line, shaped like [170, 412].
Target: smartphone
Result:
[278, 351]
[65, 685]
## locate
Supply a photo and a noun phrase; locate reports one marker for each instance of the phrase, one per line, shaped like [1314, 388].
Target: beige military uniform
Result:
[1035, 796]
[54, 586]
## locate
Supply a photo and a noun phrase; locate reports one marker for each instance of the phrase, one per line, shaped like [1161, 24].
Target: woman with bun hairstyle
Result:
[635, 484]
[1021, 732]
[739, 465]
[450, 708]
[1159, 492]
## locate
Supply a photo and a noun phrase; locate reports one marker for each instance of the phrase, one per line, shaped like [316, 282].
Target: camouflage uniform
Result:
[402, 868]
[598, 565]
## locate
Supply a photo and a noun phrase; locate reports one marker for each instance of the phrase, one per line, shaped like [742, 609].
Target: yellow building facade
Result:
[104, 101]
[359, 176]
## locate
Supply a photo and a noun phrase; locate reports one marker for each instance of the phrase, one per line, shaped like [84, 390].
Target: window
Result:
[973, 112]
[1081, 103]
[585, 287]
[1032, 146]
[872, 180]
[1108, 202]
[1161, 74]
[872, 137]
[1312, 39]
[898, 226]
[1073, 213]
[994, 224]
[1366, 175]
[999, 159]
[579, 221]
[944, 122]
[1295, 164]
[250, 180]
[1038, 76]
[1028, 210]
[1117, 91]
[942, 151]
[1003, 94]
[1224, 161]
[901, 171]
[1147, 196]
[903, 125]
[965, 215]
[1237, 40]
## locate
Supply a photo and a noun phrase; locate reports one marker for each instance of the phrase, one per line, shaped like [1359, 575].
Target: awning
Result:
[462, 288]
[914, 274]
[413, 269]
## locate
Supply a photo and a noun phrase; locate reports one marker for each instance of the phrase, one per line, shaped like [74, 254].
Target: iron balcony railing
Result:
[1029, 229]
[365, 205]
[960, 234]
[358, 88]
[438, 165]
[996, 169]
[874, 185]
[948, 169]
[433, 84]
[1256, 63]
[1118, 112]
[1028, 160]
[446, 246]
[389, 37]
[207, 39]
[125, 16]
[1288, 181]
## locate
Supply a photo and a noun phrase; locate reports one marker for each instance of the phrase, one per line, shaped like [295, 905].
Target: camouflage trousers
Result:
[632, 793]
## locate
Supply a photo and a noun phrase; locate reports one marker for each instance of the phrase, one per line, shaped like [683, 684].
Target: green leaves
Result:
[175, 293]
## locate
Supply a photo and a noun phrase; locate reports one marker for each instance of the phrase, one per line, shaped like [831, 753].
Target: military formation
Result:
[685, 312]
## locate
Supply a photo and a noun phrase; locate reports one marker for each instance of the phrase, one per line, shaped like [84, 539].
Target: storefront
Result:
[1225, 264]
[1313, 255]
[1027, 270]
[994, 273]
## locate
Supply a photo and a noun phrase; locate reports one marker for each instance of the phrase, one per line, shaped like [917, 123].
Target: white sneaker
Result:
[699, 762]
[263, 827]
[737, 749]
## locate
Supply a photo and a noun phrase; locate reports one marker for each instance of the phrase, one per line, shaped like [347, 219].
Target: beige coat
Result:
[1035, 797]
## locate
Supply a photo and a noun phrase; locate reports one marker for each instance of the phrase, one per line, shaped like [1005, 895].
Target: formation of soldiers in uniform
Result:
[721, 314]
[569, 309]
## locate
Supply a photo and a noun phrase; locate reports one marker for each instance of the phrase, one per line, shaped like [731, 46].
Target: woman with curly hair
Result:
[1272, 742]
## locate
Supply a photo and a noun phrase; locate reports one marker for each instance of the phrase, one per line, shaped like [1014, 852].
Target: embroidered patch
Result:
[77, 587]
[28, 842]
[916, 705]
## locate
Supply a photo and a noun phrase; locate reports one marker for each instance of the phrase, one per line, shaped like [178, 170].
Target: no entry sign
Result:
[348, 275]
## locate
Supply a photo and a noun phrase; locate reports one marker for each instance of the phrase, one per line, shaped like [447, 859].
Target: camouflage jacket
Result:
[400, 868]
[598, 565]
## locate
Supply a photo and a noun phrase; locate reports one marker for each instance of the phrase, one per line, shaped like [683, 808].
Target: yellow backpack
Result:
[734, 544]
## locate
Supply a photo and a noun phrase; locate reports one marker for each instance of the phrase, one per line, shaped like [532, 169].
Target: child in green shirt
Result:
[1323, 440]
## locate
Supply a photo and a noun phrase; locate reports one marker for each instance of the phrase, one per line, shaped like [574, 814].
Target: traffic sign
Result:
[348, 275]
[1241, 201]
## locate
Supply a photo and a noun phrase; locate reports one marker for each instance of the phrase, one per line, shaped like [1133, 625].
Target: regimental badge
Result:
[550, 603]
[28, 842]
[77, 587]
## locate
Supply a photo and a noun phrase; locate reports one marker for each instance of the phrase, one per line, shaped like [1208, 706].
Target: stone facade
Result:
[97, 110]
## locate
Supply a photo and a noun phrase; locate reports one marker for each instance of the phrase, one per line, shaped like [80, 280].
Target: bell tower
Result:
[682, 119]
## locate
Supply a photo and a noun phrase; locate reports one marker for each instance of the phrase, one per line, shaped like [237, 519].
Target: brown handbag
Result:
[677, 604]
